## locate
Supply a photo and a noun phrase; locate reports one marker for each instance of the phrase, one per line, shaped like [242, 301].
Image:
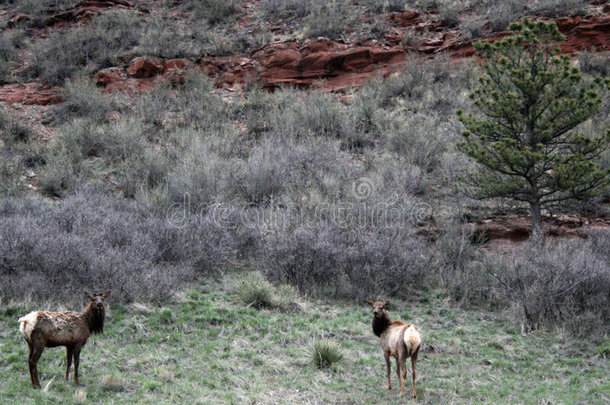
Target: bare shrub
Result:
[330, 19]
[450, 15]
[460, 270]
[420, 141]
[595, 63]
[348, 263]
[38, 7]
[503, 13]
[11, 183]
[12, 130]
[264, 175]
[319, 114]
[90, 47]
[286, 8]
[52, 251]
[10, 43]
[472, 28]
[167, 37]
[192, 105]
[424, 86]
[38, 11]
[394, 5]
[290, 113]
[430, 5]
[58, 177]
[558, 8]
[141, 172]
[565, 285]
[212, 11]
[402, 176]
[83, 99]
[364, 122]
[198, 178]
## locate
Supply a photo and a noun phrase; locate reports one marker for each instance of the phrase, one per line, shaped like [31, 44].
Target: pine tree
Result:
[523, 137]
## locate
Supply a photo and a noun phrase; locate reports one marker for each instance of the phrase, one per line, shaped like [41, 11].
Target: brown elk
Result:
[399, 340]
[42, 329]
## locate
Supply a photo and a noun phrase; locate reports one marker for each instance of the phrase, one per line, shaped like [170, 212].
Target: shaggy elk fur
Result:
[399, 340]
[42, 329]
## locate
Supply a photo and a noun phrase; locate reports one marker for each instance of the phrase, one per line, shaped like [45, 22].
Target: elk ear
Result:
[106, 294]
[386, 305]
[87, 295]
[368, 301]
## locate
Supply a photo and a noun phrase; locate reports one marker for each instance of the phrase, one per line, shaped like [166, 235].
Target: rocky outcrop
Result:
[82, 11]
[142, 74]
[230, 71]
[30, 94]
[517, 228]
[335, 66]
[585, 33]
[144, 67]
[581, 33]
[338, 65]
[322, 62]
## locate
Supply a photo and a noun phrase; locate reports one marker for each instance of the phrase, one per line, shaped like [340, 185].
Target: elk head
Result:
[97, 299]
[379, 308]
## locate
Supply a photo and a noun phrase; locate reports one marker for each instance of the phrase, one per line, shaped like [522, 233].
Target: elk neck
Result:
[380, 323]
[95, 318]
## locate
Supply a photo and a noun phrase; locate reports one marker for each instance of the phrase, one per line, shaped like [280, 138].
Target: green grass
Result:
[207, 347]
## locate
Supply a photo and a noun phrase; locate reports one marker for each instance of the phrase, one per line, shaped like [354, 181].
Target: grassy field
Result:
[208, 347]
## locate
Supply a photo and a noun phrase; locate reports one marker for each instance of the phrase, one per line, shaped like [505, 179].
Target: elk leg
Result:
[388, 368]
[413, 363]
[35, 353]
[76, 361]
[69, 354]
[400, 366]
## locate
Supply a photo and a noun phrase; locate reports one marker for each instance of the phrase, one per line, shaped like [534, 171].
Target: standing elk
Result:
[42, 329]
[399, 340]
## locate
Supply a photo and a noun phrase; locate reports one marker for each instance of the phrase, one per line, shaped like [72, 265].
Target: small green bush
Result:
[604, 350]
[255, 291]
[326, 354]
[286, 297]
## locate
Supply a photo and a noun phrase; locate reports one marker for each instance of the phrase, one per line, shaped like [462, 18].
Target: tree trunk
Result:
[537, 235]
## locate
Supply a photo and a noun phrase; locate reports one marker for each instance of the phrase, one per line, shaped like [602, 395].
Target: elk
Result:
[399, 340]
[42, 329]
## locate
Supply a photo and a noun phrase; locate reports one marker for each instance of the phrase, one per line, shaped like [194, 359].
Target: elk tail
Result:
[27, 323]
[412, 339]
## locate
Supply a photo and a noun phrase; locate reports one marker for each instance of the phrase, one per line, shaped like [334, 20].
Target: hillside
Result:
[165, 149]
